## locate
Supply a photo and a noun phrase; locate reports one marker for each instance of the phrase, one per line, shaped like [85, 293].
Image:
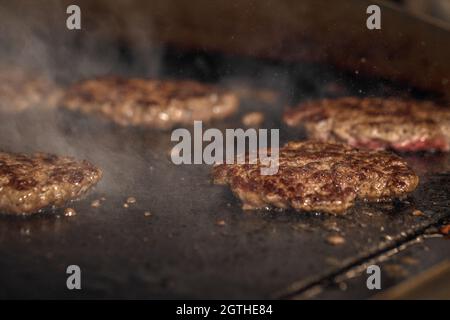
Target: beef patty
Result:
[31, 183]
[375, 123]
[319, 176]
[160, 104]
[21, 89]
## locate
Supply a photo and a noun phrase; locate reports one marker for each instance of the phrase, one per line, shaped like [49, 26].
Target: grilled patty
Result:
[375, 123]
[31, 183]
[319, 176]
[21, 90]
[152, 103]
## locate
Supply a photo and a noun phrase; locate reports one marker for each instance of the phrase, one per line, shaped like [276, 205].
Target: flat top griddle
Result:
[180, 251]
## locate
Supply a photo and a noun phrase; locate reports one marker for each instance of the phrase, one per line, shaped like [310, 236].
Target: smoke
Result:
[115, 38]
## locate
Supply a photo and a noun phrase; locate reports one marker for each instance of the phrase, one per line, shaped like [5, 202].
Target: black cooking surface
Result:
[181, 250]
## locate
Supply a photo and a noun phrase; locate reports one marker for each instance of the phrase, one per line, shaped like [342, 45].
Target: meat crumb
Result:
[396, 271]
[253, 119]
[96, 204]
[336, 240]
[221, 223]
[70, 212]
[445, 230]
[417, 213]
[147, 214]
[331, 226]
[131, 200]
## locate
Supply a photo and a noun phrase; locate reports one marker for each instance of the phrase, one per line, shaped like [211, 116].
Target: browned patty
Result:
[31, 183]
[375, 123]
[152, 103]
[319, 176]
[21, 90]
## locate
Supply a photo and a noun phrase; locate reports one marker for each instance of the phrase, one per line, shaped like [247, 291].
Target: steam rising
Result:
[116, 37]
[33, 36]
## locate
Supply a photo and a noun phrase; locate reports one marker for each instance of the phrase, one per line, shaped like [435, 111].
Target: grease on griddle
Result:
[70, 212]
[331, 226]
[335, 240]
[302, 227]
[129, 201]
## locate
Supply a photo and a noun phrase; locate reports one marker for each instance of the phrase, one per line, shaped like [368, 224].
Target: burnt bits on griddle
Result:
[160, 104]
[31, 183]
[319, 177]
[22, 89]
[375, 123]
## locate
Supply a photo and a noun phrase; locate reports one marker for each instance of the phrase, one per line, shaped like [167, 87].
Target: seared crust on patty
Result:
[376, 123]
[31, 183]
[319, 176]
[21, 89]
[160, 104]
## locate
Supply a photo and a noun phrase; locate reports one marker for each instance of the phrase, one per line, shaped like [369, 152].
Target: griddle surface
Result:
[180, 251]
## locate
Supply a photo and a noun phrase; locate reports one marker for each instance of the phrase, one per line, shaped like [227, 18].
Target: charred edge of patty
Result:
[414, 126]
[30, 184]
[22, 90]
[159, 104]
[355, 175]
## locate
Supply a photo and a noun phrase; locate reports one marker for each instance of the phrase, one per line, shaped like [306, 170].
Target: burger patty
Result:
[375, 123]
[21, 90]
[153, 103]
[31, 183]
[319, 177]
